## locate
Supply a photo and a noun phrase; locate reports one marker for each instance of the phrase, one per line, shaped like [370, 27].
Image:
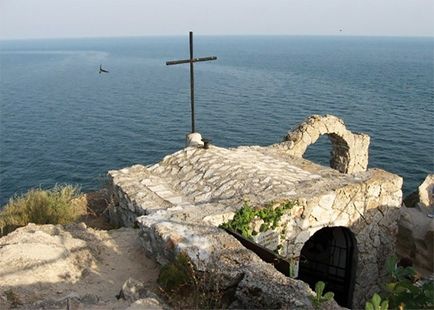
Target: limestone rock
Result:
[349, 150]
[415, 238]
[145, 304]
[426, 192]
[133, 290]
[47, 266]
[264, 289]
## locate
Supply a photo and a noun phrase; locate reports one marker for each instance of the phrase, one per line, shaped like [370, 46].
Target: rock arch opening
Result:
[319, 152]
[329, 149]
[330, 255]
[349, 151]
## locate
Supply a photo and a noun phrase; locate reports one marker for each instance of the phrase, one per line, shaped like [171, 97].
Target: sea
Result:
[61, 122]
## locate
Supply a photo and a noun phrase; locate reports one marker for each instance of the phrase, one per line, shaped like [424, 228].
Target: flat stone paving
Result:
[199, 176]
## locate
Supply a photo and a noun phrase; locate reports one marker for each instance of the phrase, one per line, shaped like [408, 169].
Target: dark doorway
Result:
[330, 256]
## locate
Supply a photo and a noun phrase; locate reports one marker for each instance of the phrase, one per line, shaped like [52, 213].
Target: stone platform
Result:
[195, 176]
[179, 202]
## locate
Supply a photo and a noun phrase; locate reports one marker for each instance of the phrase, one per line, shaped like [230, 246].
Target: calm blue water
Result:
[62, 122]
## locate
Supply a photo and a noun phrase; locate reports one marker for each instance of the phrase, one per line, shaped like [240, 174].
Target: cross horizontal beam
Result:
[186, 61]
[191, 61]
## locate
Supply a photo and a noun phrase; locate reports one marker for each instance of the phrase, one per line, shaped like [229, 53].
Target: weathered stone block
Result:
[426, 191]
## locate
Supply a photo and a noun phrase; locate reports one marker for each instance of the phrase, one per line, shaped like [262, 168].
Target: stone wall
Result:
[370, 210]
[349, 152]
[180, 201]
[426, 192]
[367, 204]
[130, 197]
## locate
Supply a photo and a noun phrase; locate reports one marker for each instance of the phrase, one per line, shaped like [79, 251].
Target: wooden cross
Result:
[191, 61]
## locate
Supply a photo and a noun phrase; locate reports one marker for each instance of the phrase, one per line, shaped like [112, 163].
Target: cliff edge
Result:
[52, 266]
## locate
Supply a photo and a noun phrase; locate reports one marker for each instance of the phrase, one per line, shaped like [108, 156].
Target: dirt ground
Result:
[43, 265]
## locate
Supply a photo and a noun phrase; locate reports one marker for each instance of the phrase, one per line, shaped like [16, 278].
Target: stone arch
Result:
[349, 152]
[330, 255]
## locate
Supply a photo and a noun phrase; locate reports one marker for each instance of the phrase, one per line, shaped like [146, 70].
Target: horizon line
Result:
[215, 35]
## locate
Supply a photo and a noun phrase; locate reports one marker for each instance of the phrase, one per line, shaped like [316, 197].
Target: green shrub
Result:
[244, 216]
[402, 291]
[241, 221]
[54, 206]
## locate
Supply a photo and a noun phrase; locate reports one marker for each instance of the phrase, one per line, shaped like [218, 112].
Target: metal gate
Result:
[330, 256]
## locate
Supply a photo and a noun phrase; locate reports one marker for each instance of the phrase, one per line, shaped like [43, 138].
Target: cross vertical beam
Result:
[193, 128]
[191, 61]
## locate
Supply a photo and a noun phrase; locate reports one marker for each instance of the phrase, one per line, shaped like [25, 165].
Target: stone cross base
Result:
[194, 139]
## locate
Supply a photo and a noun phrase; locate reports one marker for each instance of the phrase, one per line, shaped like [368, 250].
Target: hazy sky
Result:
[103, 18]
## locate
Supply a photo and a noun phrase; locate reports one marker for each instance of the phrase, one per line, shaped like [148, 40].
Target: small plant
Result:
[241, 221]
[272, 216]
[375, 303]
[403, 291]
[39, 206]
[243, 218]
[186, 288]
[176, 275]
[319, 298]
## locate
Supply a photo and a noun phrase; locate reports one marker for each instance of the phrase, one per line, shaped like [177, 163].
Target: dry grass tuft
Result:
[54, 206]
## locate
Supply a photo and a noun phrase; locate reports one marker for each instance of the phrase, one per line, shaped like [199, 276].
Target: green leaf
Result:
[376, 300]
[428, 291]
[406, 286]
[319, 288]
[329, 296]
[385, 305]
[390, 287]
[369, 306]
[391, 264]
[403, 274]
